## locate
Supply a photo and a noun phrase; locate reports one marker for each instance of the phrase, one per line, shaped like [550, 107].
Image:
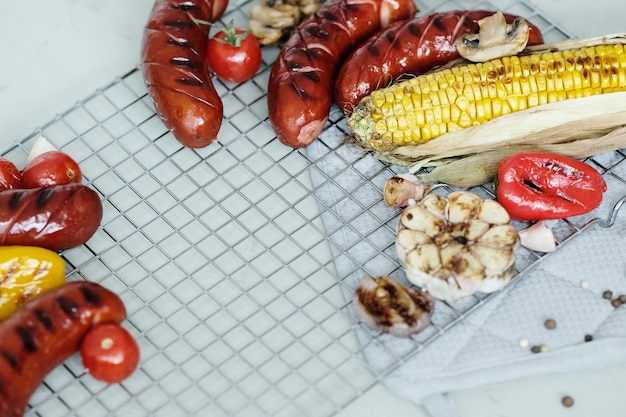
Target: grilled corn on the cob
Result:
[422, 108]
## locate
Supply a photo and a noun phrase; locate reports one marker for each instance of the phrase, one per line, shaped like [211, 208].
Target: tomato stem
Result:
[231, 37]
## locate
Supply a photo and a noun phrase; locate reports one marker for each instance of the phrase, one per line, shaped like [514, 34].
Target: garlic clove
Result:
[40, 146]
[419, 218]
[538, 237]
[403, 190]
[462, 206]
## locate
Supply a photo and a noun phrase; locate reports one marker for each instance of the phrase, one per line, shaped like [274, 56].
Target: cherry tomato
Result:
[109, 353]
[10, 176]
[51, 168]
[233, 54]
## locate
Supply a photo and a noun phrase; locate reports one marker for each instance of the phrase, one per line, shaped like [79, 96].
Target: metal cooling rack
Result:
[237, 262]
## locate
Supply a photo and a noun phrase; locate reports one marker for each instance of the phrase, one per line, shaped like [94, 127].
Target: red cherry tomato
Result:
[233, 54]
[51, 168]
[109, 353]
[10, 176]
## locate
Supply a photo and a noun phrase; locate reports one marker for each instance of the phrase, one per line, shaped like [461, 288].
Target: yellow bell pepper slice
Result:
[27, 271]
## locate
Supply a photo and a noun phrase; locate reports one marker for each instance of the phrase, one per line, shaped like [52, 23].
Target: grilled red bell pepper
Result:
[543, 186]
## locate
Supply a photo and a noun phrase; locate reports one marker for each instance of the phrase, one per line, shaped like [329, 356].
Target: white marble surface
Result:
[56, 52]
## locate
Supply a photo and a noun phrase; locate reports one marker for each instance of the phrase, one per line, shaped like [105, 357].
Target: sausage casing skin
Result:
[173, 51]
[300, 88]
[55, 218]
[44, 332]
[411, 47]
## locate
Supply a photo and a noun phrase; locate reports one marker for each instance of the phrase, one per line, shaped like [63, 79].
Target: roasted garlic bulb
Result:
[456, 245]
[391, 307]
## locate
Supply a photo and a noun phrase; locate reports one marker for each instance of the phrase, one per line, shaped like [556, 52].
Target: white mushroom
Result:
[495, 39]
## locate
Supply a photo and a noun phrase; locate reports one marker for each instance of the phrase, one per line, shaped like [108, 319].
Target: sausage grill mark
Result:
[91, 297]
[42, 197]
[69, 307]
[11, 360]
[374, 51]
[16, 200]
[180, 42]
[44, 319]
[186, 6]
[317, 32]
[184, 62]
[414, 29]
[439, 23]
[27, 338]
[178, 24]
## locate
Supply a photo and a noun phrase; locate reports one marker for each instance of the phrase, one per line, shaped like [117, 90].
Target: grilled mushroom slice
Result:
[391, 307]
[456, 245]
[495, 39]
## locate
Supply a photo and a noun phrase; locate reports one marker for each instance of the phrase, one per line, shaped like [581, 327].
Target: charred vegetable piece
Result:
[495, 39]
[272, 21]
[391, 307]
[423, 108]
[456, 245]
[543, 186]
[27, 271]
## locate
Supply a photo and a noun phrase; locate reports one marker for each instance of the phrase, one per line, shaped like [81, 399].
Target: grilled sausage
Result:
[412, 47]
[46, 331]
[300, 86]
[56, 218]
[173, 64]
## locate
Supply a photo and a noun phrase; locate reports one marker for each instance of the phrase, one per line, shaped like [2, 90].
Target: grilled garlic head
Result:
[456, 245]
[391, 307]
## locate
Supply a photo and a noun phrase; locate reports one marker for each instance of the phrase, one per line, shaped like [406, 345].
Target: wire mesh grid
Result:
[237, 262]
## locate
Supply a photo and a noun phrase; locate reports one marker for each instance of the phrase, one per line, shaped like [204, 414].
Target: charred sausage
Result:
[173, 53]
[46, 331]
[300, 86]
[412, 47]
[55, 218]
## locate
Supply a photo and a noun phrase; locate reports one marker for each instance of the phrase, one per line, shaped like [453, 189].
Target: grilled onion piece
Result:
[391, 307]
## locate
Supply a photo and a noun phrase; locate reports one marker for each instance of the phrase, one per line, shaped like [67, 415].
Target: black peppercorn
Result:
[567, 401]
[588, 338]
[607, 294]
[550, 324]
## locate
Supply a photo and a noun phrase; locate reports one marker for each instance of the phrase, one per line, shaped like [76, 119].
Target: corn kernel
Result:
[465, 120]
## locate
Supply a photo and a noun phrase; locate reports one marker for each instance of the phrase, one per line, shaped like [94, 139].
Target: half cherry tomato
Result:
[233, 54]
[10, 176]
[51, 168]
[109, 353]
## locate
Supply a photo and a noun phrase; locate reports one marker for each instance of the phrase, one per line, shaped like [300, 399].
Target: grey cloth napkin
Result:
[494, 341]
